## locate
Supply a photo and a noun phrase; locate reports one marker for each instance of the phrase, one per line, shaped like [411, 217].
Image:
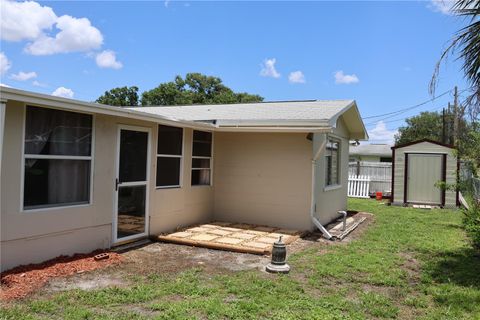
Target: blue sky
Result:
[382, 54]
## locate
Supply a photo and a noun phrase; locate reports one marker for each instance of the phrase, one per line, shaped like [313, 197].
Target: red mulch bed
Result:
[20, 281]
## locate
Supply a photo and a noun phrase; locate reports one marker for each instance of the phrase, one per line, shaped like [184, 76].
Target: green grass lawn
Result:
[408, 264]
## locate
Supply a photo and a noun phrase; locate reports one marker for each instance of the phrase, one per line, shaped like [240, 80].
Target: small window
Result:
[169, 156]
[332, 163]
[58, 158]
[201, 158]
[385, 159]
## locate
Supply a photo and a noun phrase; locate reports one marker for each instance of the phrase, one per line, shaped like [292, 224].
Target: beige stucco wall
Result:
[263, 178]
[424, 147]
[45, 234]
[329, 200]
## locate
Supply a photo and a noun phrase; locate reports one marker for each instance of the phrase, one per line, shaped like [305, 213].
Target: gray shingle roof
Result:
[311, 110]
[382, 150]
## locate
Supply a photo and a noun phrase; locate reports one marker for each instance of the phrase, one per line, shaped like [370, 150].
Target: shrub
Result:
[471, 221]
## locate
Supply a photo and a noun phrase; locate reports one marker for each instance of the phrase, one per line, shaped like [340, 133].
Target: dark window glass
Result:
[133, 156]
[50, 182]
[385, 159]
[201, 177]
[332, 168]
[169, 140]
[202, 144]
[131, 211]
[200, 163]
[168, 171]
[56, 132]
[202, 136]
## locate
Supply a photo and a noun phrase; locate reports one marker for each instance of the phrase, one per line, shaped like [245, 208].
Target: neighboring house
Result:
[418, 167]
[370, 153]
[79, 176]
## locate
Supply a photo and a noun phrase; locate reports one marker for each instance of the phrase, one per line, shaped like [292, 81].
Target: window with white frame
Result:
[57, 158]
[332, 162]
[201, 158]
[169, 156]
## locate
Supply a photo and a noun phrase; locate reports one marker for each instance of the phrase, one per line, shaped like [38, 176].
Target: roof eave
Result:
[88, 107]
[363, 135]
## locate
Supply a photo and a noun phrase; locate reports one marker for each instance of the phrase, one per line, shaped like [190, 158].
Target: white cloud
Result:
[76, 34]
[23, 76]
[341, 78]
[5, 64]
[268, 69]
[441, 6]
[296, 77]
[108, 59]
[38, 84]
[24, 20]
[63, 92]
[4, 85]
[381, 133]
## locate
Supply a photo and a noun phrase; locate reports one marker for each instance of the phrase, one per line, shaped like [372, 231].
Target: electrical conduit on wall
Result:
[315, 221]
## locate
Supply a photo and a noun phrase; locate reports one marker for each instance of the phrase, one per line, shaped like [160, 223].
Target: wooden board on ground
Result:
[236, 237]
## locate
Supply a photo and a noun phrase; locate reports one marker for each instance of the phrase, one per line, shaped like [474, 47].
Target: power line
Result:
[403, 118]
[399, 119]
[403, 110]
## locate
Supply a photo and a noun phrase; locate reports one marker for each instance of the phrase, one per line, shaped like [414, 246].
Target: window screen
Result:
[169, 156]
[201, 158]
[57, 160]
[332, 162]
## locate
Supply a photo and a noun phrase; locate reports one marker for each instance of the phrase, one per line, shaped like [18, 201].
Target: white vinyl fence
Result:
[380, 174]
[358, 186]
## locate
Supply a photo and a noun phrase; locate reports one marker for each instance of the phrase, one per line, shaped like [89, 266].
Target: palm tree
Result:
[467, 41]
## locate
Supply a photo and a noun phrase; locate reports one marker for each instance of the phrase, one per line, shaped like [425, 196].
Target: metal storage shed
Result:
[417, 167]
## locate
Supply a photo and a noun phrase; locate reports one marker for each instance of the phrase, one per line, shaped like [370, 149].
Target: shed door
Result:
[424, 171]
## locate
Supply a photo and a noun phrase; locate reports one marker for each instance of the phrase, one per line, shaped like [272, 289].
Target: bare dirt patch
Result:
[412, 267]
[170, 259]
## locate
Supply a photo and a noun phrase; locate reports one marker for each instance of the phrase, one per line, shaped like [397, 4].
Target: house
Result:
[78, 176]
[370, 153]
[417, 169]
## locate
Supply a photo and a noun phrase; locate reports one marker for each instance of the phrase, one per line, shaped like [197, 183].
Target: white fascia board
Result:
[76, 105]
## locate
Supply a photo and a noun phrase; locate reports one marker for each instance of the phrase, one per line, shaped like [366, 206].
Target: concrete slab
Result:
[228, 240]
[181, 234]
[254, 244]
[242, 235]
[204, 237]
[266, 240]
[218, 232]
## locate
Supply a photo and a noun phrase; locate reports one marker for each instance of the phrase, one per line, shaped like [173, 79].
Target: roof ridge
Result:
[239, 103]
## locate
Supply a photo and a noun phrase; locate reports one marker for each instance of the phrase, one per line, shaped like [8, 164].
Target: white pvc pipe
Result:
[2, 129]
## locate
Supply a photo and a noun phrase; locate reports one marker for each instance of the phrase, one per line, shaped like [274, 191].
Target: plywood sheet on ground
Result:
[237, 237]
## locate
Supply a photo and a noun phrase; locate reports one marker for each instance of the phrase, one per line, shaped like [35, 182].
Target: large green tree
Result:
[426, 125]
[196, 88]
[122, 97]
[433, 125]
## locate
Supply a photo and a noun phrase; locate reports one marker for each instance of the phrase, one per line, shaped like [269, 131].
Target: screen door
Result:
[131, 184]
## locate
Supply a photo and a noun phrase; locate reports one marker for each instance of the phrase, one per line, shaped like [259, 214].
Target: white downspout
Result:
[2, 129]
[315, 221]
